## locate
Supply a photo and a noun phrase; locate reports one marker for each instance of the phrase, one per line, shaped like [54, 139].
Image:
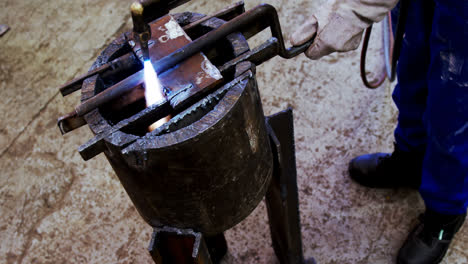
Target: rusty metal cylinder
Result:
[209, 167]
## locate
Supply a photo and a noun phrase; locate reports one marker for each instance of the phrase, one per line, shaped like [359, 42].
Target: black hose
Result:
[395, 51]
[375, 83]
[400, 32]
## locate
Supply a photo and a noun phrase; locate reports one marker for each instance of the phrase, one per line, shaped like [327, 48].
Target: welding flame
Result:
[153, 92]
[153, 87]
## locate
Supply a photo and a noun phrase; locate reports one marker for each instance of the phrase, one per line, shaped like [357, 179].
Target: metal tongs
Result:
[249, 24]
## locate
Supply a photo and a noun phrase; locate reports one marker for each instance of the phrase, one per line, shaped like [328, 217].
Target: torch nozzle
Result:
[141, 30]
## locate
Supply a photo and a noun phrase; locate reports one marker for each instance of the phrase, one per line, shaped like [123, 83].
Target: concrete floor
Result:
[56, 208]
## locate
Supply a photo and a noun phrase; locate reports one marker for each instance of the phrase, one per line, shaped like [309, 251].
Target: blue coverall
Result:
[432, 99]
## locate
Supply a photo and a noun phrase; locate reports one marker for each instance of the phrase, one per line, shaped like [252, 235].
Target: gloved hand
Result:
[339, 25]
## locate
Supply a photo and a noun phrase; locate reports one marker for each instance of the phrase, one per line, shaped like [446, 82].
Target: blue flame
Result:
[153, 87]
[153, 91]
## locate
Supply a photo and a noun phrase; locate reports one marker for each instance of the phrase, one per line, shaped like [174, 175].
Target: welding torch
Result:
[141, 30]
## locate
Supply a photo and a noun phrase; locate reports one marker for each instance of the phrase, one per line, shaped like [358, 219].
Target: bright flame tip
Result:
[153, 90]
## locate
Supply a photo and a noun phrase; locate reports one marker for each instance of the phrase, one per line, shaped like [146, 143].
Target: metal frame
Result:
[249, 24]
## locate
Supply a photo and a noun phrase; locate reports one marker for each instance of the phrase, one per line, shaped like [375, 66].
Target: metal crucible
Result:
[209, 166]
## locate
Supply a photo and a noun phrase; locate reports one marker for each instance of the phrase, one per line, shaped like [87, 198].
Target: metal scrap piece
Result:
[3, 29]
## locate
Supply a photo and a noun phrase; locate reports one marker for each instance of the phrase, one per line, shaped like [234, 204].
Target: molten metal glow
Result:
[153, 92]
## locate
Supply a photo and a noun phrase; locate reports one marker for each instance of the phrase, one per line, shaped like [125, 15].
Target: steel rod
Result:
[123, 63]
[109, 94]
[234, 9]
[264, 14]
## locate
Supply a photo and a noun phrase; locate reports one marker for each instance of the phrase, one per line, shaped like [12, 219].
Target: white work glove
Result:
[339, 25]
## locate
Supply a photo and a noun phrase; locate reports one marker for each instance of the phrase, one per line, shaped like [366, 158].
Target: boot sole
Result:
[436, 262]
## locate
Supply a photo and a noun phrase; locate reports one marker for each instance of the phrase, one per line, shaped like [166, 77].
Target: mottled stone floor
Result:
[56, 208]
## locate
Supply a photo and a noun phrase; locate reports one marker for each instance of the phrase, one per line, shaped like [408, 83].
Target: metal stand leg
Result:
[184, 246]
[217, 247]
[282, 197]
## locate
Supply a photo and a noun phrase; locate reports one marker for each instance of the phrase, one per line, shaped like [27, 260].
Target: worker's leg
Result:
[445, 172]
[444, 186]
[403, 167]
[410, 93]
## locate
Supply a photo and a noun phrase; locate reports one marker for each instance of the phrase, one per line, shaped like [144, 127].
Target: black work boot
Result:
[429, 241]
[384, 170]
